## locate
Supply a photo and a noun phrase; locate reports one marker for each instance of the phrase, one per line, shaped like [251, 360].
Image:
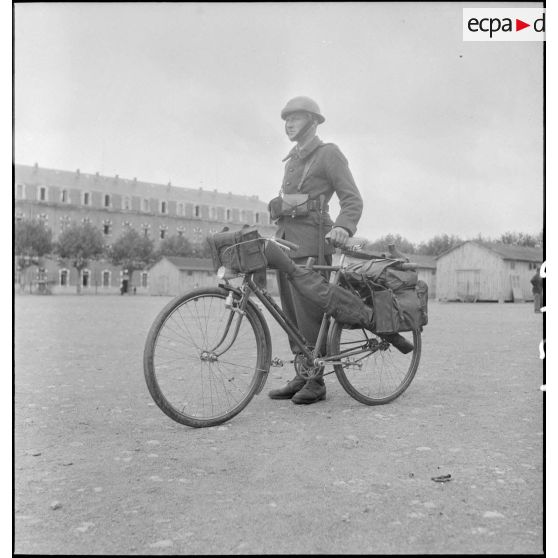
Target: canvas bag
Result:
[240, 251]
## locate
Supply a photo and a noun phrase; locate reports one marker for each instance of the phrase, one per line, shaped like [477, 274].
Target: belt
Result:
[315, 205]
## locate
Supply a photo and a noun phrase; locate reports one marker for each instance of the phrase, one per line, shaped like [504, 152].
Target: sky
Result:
[441, 135]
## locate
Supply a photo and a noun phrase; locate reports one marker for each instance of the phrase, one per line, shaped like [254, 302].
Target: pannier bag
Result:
[398, 298]
[240, 251]
[383, 273]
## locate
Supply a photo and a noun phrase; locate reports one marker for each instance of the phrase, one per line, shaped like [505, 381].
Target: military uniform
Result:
[316, 169]
[328, 174]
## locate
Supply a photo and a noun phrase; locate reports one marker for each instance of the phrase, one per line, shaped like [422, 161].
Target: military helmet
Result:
[305, 104]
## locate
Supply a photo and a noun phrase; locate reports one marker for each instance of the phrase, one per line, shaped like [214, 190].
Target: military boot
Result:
[314, 390]
[286, 392]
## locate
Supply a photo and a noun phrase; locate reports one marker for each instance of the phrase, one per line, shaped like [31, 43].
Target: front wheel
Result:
[370, 369]
[204, 359]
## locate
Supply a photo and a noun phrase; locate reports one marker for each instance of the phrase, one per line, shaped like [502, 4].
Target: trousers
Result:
[305, 314]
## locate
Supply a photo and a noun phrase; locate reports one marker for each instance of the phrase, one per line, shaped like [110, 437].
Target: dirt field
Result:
[99, 469]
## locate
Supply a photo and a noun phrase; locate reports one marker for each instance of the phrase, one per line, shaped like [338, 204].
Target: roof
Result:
[512, 252]
[190, 264]
[133, 187]
[505, 251]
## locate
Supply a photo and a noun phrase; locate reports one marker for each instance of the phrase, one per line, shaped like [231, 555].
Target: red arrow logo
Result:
[519, 25]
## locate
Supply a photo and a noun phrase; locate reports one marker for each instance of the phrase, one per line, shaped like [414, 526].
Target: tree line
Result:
[81, 243]
[443, 242]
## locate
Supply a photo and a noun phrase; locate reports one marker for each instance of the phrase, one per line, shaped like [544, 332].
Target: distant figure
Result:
[537, 283]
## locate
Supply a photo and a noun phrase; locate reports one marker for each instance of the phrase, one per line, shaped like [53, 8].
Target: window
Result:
[106, 278]
[213, 213]
[257, 218]
[64, 198]
[106, 200]
[197, 212]
[42, 193]
[229, 215]
[180, 209]
[197, 234]
[145, 205]
[86, 198]
[64, 278]
[143, 279]
[126, 203]
[85, 278]
[20, 191]
[163, 207]
[64, 222]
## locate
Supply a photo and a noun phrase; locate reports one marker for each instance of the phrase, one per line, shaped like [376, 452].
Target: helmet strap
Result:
[309, 123]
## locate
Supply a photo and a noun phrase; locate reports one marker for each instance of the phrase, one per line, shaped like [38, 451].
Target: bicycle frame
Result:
[312, 355]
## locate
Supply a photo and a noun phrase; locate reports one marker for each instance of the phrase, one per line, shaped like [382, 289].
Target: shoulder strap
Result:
[307, 166]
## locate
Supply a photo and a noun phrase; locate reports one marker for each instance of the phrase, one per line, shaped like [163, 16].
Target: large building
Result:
[59, 198]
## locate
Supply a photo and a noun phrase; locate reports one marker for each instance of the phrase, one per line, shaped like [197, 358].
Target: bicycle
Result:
[209, 351]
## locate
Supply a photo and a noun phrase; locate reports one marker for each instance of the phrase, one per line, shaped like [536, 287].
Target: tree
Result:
[32, 241]
[175, 246]
[401, 244]
[79, 244]
[521, 239]
[438, 244]
[132, 251]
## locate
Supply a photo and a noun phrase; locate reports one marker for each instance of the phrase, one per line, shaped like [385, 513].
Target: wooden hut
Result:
[482, 271]
[173, 275]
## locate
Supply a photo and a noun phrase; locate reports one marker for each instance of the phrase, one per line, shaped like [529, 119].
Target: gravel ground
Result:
[99, 469]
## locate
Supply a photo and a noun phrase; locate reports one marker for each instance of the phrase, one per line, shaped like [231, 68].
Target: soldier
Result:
[317, 170]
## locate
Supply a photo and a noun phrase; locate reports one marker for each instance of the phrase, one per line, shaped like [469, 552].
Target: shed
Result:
[426, 271]
[487, 271]
[173, 275]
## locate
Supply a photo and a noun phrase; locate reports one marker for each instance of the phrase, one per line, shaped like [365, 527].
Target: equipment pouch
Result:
[293, 205]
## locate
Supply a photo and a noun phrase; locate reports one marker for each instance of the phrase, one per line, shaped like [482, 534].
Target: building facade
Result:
[59, 198]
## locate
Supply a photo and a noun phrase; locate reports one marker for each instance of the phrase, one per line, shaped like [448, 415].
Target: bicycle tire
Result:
[183, 379]
[380, 373]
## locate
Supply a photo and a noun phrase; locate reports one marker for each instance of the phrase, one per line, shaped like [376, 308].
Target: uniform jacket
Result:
[328, 174]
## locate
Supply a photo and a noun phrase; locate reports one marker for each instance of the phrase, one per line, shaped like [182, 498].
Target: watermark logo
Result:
[503, 24]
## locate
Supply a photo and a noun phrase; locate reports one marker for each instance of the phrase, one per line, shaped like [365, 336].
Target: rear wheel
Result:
[373, 371]
[204, 360]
